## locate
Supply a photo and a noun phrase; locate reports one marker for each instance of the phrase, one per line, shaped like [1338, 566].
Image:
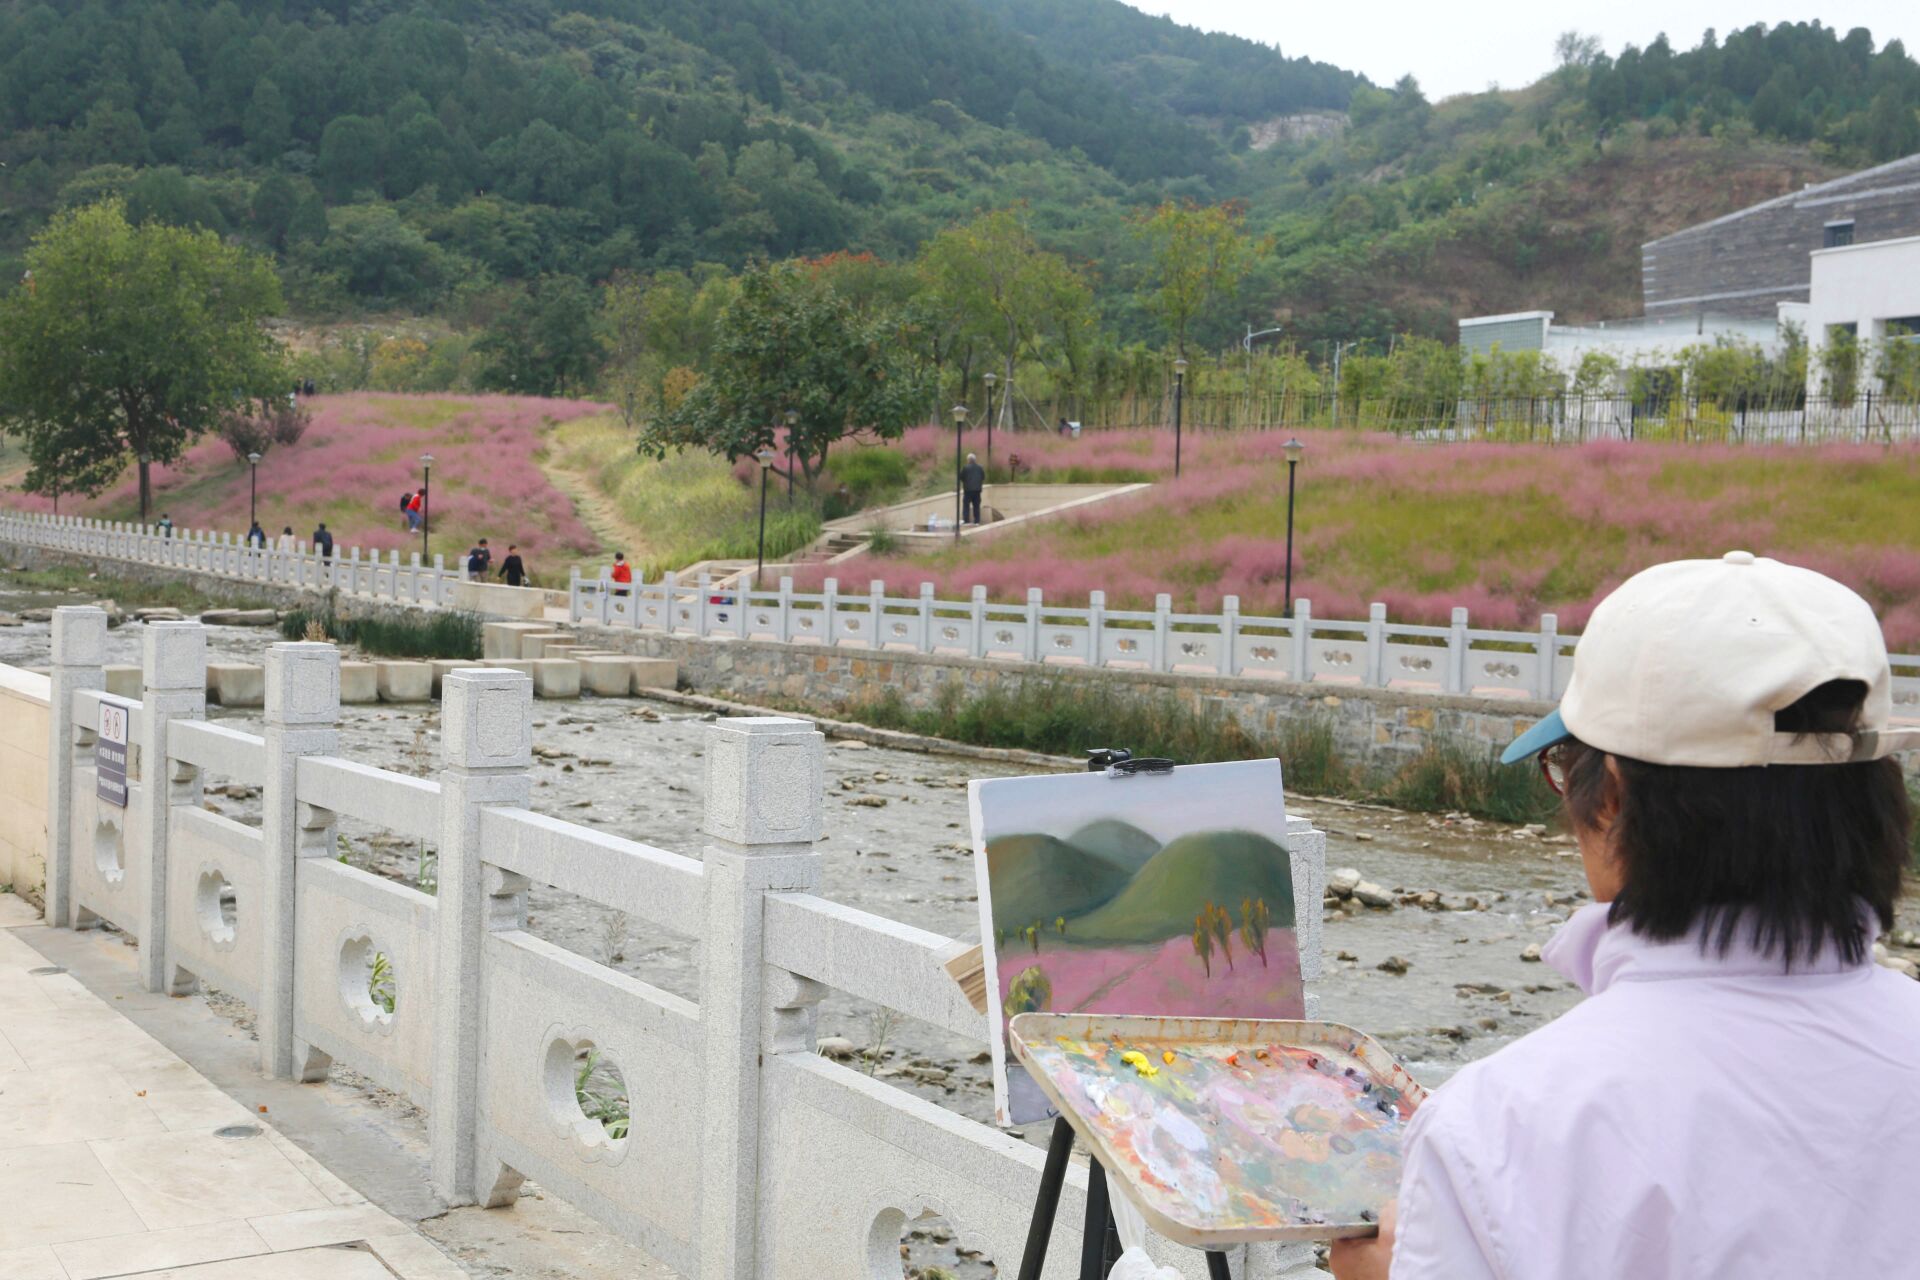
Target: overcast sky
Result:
[1464, 48]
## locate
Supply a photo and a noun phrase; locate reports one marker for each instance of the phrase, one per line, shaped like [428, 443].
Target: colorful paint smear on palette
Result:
[1242, 1140]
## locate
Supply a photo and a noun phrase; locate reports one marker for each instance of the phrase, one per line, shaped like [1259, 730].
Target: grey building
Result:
[1747, 263]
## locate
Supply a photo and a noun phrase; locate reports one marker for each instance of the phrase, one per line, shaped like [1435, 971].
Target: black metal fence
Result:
[1870, 417]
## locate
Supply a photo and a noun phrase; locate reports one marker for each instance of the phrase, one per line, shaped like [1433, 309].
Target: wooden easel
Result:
[1100, 1239]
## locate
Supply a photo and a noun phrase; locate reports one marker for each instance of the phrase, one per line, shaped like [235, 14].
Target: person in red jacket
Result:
[622, 574]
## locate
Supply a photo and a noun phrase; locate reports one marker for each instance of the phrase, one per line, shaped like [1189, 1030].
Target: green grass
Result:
[445, 634]
[1070, 718]
[683, 508]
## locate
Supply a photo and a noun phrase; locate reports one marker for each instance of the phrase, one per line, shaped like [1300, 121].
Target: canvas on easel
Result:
[1169, 894]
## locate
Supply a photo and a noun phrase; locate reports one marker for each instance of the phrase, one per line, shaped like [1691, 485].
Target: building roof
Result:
[1818, 193]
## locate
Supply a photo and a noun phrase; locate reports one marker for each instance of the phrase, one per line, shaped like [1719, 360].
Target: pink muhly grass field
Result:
[358, 455]
[1507, 531]
[1167, 977]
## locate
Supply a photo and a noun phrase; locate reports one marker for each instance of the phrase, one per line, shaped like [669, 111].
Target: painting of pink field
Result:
[1168, 894]
[1168, 978]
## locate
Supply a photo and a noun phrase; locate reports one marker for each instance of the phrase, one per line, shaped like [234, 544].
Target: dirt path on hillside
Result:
[596, 510]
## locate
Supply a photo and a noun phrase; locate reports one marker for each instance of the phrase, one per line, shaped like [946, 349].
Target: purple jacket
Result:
[1699, 1116]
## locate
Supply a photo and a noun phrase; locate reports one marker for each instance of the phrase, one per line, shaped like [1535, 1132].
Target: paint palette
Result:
[1228, 1131]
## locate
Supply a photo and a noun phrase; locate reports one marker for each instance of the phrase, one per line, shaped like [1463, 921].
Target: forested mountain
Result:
[1214, 76]
[435, 156]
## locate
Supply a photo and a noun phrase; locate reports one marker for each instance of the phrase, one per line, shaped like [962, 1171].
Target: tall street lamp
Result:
[959, 427]
[426, 506]
[793, 420]
[766, 456]
[1294, 450]
[1179, 394]
[253, 491]
[990, 380]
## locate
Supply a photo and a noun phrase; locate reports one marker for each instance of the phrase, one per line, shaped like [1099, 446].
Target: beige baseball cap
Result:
[1687, 662]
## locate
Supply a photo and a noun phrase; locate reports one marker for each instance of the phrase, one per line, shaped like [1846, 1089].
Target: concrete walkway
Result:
[119, 1159]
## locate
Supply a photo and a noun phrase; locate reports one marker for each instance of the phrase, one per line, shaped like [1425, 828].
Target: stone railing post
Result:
[670, 588]
[1034, 616]
[830, 612]
[79, 662]
[1163, 632]
[877, 612]
[1229, 635]
[703, 607]
[486, 738]
[786, 610]
[926, 617]
[977, 644]
[1548, 652]
[1303, 640]
[173, 678]
[1457, 653]
[764, 784]
[1376, 645]
[303, 707]
[743, 588]
[1097, 629]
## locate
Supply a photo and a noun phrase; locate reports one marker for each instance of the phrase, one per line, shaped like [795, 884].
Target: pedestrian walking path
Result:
[117, 1158]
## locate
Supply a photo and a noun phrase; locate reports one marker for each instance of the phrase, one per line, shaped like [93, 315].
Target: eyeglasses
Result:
[1553, 767]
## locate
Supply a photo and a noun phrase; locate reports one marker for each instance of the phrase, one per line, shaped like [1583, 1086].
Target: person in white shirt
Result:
[1735, 1097]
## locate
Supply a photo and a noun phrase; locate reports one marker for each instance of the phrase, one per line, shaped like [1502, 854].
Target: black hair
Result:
[1787, 852]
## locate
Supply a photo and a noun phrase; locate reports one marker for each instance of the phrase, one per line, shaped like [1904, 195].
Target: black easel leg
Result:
[1217, 1266]
[1093, 1240]
[1047, 1203]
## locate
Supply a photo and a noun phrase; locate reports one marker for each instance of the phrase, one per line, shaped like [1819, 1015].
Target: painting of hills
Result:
[1153, 894]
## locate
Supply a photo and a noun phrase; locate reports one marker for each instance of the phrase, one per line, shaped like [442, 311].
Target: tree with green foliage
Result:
[999, 287]
[129, 343]
[1199, 255]
[791, 342]
[544, 344]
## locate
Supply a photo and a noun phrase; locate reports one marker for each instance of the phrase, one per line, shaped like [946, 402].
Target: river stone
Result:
[1394, 965]
[1372, 895]
[1344, 881]
[1531, 951]
[838, 1048]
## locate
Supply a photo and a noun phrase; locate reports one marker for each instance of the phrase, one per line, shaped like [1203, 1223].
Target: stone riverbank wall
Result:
[1375, 727]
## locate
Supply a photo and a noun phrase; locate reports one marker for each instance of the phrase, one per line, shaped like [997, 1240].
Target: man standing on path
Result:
[479, 560]
[413, 504]
[973, 479]
[513, 571]
[323, 541]
[165, 526]
[622, 574]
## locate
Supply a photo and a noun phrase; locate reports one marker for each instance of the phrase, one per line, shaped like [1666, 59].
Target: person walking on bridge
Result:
[622, 574]
[323, 541]
[973, 481]
[513, 571]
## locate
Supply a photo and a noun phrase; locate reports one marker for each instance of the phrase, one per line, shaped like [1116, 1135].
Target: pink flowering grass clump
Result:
[359, 454]
[1508, 532]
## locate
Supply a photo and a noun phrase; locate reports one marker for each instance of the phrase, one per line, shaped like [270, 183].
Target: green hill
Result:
[1221, 867]
[1040, 878]
[450, 158]
[1122, 844]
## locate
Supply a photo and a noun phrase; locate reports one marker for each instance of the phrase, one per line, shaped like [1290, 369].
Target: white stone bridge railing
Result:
[1377, 653]
[747, 1155]
[347, 570]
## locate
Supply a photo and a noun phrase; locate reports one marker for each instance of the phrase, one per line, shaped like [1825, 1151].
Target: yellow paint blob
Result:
[1138, 1061]
[1167, 1057]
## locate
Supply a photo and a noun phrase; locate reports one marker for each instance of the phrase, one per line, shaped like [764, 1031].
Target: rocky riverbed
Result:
[1432, 934]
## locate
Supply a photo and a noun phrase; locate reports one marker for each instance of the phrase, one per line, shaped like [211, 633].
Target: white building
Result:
[1640, 342]
[1871, 291]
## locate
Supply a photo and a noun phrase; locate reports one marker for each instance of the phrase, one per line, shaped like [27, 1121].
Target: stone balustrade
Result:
[747, 1156]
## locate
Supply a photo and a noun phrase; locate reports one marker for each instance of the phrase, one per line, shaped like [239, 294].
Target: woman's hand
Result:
[1368, 1257]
